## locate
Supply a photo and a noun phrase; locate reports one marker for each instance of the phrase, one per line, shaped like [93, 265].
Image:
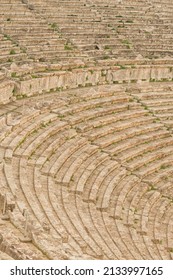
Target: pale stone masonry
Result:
[86, 129]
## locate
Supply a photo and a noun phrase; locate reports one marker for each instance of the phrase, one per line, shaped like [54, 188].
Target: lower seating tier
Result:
[87, 174]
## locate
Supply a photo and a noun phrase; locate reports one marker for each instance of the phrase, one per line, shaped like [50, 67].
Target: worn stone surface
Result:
[86, 123]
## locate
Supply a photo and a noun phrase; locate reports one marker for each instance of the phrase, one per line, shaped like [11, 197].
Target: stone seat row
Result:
[68, 161]
[6, 170]
[71, 34]
[93, 166]
[18, 32]
[24, 185]
[38, 212]
[160, 104]
[70, 31]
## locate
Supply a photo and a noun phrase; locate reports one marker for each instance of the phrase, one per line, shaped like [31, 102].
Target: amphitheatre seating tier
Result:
[86, 122]
[114, 28]
[29, 37]
[66, 30]
[91, 166]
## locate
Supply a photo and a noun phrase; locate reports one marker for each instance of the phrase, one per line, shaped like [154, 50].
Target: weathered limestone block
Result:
[46, 81]
[60, 78]
[161, 72]
[121, 75]
[112, 74]
[6, 91]
[140, 73]
[81, 76]
[30, 87]
[70, 80]
[93, 77]
[109, 77]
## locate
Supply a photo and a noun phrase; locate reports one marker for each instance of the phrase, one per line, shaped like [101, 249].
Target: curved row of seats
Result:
[93, 169]
[27, 36]
[113, 29]
[67, 30]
